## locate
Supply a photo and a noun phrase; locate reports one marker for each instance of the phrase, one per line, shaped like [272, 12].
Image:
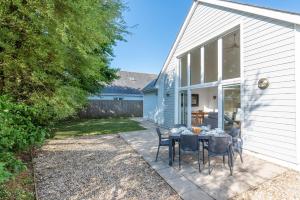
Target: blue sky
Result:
[155, 25]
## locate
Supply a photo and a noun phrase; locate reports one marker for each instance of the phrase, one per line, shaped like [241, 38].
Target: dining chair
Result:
[163, 141]
[189, 143]
[237, 141]
[220, 146]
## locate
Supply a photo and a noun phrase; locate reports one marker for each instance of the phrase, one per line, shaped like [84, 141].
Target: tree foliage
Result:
[53, 54]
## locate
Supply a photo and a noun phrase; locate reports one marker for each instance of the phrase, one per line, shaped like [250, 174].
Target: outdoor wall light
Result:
[263, 83]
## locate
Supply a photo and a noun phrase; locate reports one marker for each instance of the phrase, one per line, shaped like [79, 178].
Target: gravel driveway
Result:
[98, 167]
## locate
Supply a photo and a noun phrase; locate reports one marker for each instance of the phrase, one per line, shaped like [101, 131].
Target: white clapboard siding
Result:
[271, 91]
[271, 132]
[285, 84]
[271, 119]
[269, 69]
[269, 52]
[268, 97]
[267, 136]
[268, 108]
[272, 114]
[265, 149]
[274, 51]
[284, 78]
[272, 74]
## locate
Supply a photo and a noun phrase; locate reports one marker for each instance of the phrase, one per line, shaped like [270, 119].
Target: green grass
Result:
[95, 127]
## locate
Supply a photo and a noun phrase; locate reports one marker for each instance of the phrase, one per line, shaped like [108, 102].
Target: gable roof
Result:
[150, 87]
[258, 10]
[130, 83]
[291, 17]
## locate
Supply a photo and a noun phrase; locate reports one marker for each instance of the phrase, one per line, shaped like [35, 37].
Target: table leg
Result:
[171, 152]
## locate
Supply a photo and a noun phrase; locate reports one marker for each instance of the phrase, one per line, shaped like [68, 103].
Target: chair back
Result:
[179, 125]
[211, 119]
[189, 142]
[219, 144]
[158, 133]
[235, 132]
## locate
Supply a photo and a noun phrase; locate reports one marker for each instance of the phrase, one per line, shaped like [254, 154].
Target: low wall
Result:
[113, 108]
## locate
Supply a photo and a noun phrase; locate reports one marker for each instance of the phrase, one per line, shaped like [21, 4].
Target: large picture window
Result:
[183, 71]
[195, 66]
[211, 62]
[231, 55]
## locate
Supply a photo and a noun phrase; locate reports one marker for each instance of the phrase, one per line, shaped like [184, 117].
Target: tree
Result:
[54, 53]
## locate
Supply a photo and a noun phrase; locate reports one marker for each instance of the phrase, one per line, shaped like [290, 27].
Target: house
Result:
[150, 102]
[241, 63]
[128, 87]
[122, 98]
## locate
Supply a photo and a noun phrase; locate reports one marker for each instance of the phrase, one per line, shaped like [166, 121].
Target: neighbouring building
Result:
[240, 62]
[124, 97]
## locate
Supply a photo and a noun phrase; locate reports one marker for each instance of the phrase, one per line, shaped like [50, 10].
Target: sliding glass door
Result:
[183, 107]
[231, 106]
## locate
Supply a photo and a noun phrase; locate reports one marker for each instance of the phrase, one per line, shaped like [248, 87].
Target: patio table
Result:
[176, 136]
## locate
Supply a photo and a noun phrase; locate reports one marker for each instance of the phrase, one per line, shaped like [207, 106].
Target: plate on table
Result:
[187, 132]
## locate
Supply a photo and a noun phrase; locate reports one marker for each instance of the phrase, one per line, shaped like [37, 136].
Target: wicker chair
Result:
[163, 141]
[189, 143]
[237, 142]
[220, 146]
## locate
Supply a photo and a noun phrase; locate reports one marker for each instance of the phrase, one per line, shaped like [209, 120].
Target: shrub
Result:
[17, 133]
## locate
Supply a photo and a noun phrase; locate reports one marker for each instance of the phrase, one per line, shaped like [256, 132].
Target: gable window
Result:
[183, 71]
[231, 55]
[195, 66]
[211, 62]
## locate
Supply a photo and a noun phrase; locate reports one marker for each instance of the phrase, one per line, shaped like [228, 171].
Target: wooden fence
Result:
[113, 108]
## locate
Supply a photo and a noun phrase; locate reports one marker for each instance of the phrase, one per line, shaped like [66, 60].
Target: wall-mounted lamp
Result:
[263, 83]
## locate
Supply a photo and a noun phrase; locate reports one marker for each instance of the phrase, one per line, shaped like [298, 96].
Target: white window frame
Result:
[297, 78]
[219, 83]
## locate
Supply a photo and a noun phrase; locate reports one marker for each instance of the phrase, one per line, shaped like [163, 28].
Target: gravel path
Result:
[99, 167]
[285, 186]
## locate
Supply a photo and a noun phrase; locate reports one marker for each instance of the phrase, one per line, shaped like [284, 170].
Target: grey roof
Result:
[129, 83]
[150, 87]
[264, 7]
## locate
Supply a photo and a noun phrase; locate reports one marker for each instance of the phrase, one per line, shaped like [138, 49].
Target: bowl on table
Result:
[197, 130]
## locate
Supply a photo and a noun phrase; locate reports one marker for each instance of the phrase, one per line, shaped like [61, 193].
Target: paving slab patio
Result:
[188, 182]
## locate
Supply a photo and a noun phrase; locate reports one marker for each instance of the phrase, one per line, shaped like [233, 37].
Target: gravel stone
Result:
[286, 186]
[96, 167]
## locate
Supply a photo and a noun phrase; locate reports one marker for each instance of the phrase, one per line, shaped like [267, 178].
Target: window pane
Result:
[231, 55]
[211, 62]
[195, 66]
[232, 107]
[183, 73]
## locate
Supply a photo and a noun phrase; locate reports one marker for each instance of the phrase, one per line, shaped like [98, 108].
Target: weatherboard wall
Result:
[268, 52]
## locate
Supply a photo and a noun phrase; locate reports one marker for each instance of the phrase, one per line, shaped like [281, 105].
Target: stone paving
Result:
[188, 182]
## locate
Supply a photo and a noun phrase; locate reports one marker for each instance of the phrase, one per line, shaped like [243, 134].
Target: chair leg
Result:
[241, 157]
[224, 160]
[179, 155]
[203, 153]
[157, 152]
[173, 150]
[209, 170]
[230, 162]
[199, 161]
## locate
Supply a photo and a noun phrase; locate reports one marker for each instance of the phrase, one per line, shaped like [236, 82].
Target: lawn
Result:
[95, 127]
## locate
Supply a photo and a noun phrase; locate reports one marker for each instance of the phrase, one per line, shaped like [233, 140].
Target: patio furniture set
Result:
[216, 142]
